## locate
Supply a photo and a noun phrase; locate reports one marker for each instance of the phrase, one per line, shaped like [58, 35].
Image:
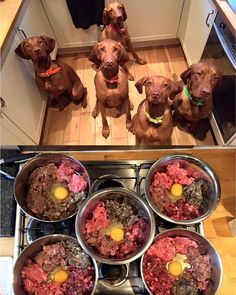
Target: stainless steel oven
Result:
[220, 51]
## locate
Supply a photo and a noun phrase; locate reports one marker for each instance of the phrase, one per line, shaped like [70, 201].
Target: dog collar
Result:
[51, 71]
[157, 120]
[113, 80]
[121, 31]
[195, 102]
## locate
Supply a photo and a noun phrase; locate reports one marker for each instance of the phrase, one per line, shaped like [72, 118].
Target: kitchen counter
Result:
[9, 11]
[216, 226]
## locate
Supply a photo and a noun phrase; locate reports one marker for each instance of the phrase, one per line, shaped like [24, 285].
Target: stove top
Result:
[120, 280]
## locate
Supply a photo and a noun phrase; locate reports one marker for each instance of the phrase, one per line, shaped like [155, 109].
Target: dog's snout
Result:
[119, 17]
[156, 94]
[205, 92]
[109, 61]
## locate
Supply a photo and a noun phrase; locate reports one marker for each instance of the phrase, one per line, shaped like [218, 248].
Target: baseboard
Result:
[64, 52]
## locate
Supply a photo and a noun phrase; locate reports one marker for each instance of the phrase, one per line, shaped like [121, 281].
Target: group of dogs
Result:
[188, 101]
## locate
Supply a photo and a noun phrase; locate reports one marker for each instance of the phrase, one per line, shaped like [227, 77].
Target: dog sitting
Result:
[55, 78]
[111, 81]
[195, 102]
[114, 17]
[153, 120]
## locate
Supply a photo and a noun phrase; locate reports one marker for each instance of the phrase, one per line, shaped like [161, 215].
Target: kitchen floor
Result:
[76, 126]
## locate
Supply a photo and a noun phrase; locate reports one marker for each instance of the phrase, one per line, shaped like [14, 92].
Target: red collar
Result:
[113, 80]
[120, 31]
[51, 71]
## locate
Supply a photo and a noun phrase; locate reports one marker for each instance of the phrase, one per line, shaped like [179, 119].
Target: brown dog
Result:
[195, 102]
[55, 78]
[111, 81]
[153, 121]
[114, 17]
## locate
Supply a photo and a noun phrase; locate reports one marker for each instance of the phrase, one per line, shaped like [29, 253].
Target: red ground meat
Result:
[165, 249]
[178, 174]
[50, 288]
[65, 172]
[162, 180]
[99, 219]
[80, 282]
[182, 210]
[77, 183]
[34, 272]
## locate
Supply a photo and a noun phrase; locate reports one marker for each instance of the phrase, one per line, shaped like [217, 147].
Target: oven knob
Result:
[222, 26]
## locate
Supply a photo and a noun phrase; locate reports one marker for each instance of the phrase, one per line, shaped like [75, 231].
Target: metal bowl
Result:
[209, 174]
[206, 248]
[31, 251]
[21, 186]
[133, 199]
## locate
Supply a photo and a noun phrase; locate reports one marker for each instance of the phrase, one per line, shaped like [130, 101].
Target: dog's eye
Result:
[102, 49]
[40, 41]
[198, 73]
[115, 49]
[120, 6]
[166, 84]
[148, 83]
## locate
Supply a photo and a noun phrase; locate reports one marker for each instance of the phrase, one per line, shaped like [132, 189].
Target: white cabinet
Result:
[24, 105]
[33, 21]
[196, 23]
[147, 21]
[11, 134]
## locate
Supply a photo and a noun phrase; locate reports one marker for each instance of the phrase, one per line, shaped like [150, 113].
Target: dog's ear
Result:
[139, 84]
[176, 87]
[50, 43]
[105, 17]
[186, 74]
[21, 51]
[124, 14]
[94, 56]
[124, 57]
[219, 75]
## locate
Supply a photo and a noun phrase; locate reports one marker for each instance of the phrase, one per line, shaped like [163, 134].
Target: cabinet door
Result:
[197, 20]
[147, 21]
[24, 105]
[33, 21]
[11, 134]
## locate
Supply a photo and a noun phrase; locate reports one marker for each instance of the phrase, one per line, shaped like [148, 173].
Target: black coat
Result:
[85, 13]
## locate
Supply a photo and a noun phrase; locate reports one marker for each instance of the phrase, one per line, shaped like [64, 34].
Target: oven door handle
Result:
[223, 43]
[209, 14]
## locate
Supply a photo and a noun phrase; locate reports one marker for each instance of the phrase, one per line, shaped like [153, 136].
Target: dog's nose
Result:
[205, 93]
[156, 94]
[36, 51]
[109, 63]
[119, 17]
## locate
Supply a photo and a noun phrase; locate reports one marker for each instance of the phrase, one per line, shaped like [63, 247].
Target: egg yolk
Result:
[176, 190]
[117, 234]
[60, 193]
[60, 276]
[175, 268]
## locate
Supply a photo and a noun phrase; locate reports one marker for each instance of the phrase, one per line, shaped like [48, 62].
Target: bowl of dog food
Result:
[181, 261]
[115, 226]
[54, 264]
[182, 189]
[51, 187]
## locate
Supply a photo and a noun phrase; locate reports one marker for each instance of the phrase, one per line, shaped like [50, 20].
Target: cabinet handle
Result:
[2, 102]
[209, 14]
[22, 32]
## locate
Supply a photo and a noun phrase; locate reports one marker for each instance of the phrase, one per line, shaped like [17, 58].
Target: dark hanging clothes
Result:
[85, 13]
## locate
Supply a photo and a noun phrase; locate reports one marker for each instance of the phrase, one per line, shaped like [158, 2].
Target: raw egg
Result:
[117, 234]
[60, 193]
[177, 265]
[60, 275]
[176, 190]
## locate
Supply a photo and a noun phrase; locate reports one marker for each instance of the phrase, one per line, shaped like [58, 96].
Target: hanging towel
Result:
[85, 13]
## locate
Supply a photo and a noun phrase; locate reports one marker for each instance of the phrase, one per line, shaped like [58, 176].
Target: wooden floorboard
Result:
[76, 126]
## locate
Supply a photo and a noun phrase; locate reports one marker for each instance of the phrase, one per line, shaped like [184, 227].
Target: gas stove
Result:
[125, 279]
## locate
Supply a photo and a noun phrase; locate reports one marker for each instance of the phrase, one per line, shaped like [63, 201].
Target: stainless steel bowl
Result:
[133, 199]
[214, 196]
[206, 248]
[31, 251]
[21, 186]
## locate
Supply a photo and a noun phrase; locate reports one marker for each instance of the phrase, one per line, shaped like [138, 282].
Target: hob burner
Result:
[107, 181]
[113, 275]
[38, 229]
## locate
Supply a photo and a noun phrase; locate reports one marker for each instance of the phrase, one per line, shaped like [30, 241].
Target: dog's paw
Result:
[95, 113]
[141, 61]
[130, 77]
[129, 126]
[105, 132]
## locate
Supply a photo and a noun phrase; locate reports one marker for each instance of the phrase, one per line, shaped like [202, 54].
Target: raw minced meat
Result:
[194, 199]
[43, 182]
[163, 251]
[37, 273]
[100, 222]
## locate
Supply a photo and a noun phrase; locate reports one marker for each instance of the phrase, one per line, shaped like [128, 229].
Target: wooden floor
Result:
[76, 126]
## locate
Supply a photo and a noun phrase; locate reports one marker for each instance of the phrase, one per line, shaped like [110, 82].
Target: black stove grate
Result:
[132, 175]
